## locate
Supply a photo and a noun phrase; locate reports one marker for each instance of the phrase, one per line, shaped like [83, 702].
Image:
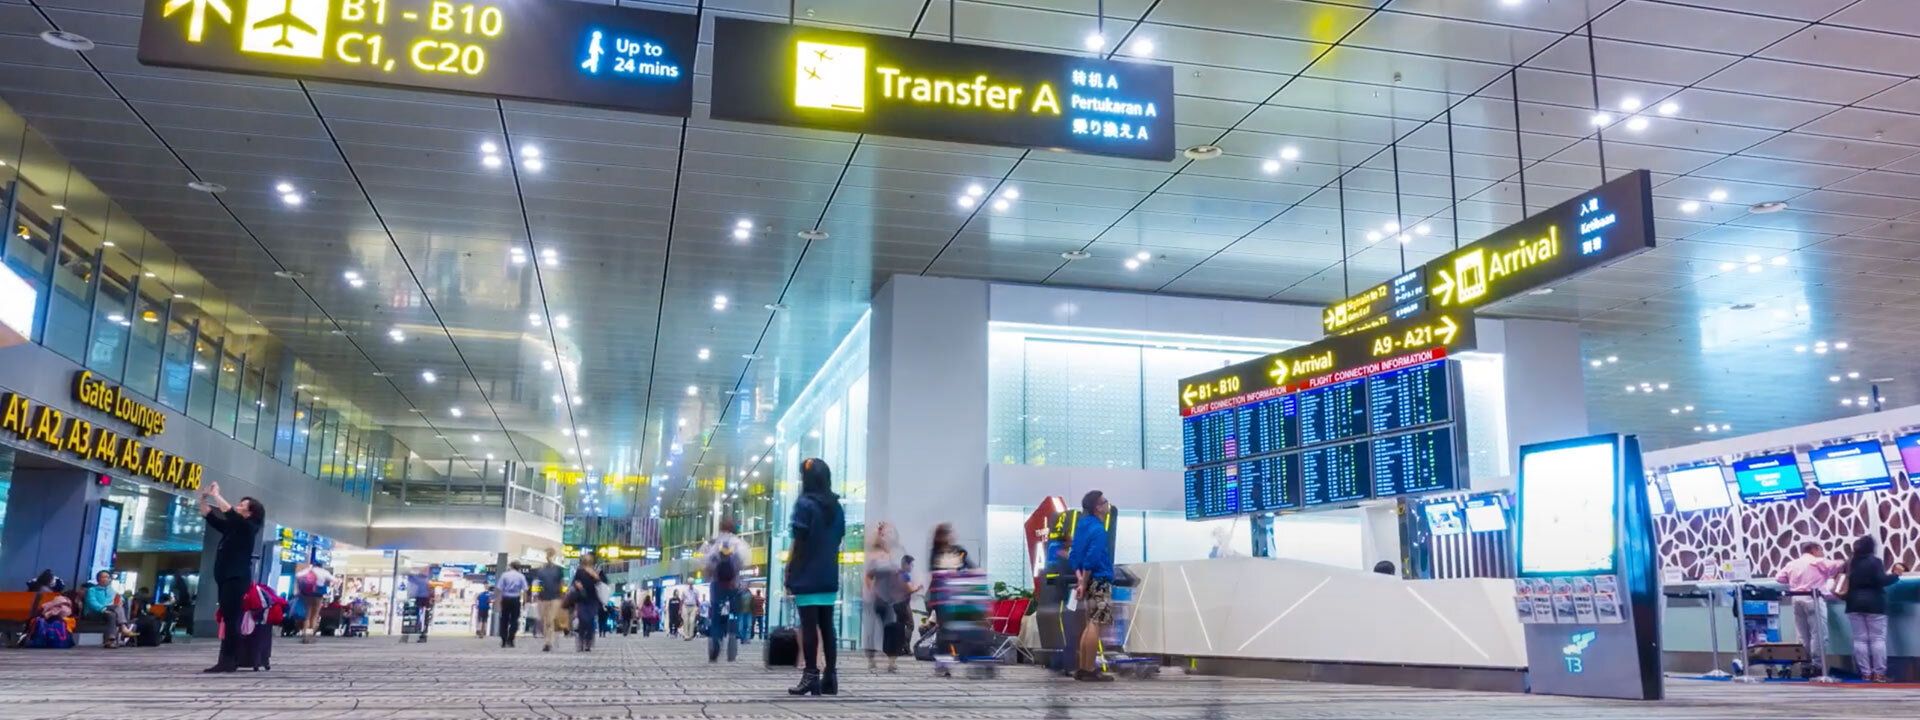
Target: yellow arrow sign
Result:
[197, 17]
[1187, 395]
[1447, 329]
[1278, 372]
[1444, 290]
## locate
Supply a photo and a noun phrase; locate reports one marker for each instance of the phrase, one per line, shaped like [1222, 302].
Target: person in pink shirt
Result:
[1805, 579]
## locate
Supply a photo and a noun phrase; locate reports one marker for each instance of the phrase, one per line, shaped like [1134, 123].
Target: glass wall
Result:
[828, 420]
[88, 282]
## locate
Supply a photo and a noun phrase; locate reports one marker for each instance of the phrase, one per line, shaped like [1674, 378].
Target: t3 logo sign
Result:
[1577, 646]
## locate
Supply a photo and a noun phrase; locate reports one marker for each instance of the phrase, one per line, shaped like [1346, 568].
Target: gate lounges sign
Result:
[548, 50]
[885, 85]
[78, 437]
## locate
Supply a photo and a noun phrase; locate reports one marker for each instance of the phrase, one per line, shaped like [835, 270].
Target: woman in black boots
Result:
[813, 575]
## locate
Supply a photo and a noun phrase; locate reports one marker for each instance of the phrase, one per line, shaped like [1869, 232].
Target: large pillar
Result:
[49, 524]
[927, 423]
[1546, 384]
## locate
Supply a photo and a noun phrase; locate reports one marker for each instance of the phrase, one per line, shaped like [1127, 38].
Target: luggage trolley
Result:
[1113, 655]
[959, 600]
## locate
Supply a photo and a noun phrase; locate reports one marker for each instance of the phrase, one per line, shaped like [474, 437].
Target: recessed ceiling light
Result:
[1289, 153]
[487, 146]
[1011, 193]
[289, 274]
[1595, 363]
[1072, 255]
[1374, 236]
[1717, 195]
[382, 374]
[1690, 206]
[534, 164]
[59, 207]
[529, 151]
[491, 161]
[1770, 206]
[975, 190]
[1001, 205]
[1270, 167]
[148, 273]
[108, 243]
[1630, 103]
[283, 188]
[719, 302]
[1142, 46]
[292, 199]
[1423, 229]
[1601, 119]
[693, 389]
[67, 40]
[1094, 40]
[1203, 152]
[1669, 107]
[1842, 345]
[966, 202]
[178, 296]
[1778, 260]
[776, 306]
[704, 353]
[455, 412]
[1143, 256]
[813, 235]
[1833, 378]
[1541, 291]
[1132, 264]
[1637, 123]
[562, 322]
[1799, 348]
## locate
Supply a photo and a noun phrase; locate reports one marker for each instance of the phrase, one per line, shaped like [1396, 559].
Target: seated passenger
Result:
[103, 603]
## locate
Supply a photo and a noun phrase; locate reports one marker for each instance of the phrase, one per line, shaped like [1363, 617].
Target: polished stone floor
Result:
[659, 677]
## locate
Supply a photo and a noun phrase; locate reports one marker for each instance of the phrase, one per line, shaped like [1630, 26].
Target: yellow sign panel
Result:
[294, 28]
[830, 77]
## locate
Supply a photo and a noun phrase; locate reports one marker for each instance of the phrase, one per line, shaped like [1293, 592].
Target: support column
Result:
[49, 524]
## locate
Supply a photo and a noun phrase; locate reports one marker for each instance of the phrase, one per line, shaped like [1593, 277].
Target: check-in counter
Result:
[1689, 629]
[1301, 620]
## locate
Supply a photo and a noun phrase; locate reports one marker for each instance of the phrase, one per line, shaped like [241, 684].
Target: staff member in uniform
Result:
[239, 527]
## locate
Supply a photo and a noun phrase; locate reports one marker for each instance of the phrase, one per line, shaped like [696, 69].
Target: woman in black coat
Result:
[1867, 583]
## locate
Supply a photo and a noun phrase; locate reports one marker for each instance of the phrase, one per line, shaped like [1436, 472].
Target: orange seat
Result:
[16, 606]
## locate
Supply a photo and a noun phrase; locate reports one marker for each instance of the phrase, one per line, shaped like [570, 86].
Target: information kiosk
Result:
[1588, 588]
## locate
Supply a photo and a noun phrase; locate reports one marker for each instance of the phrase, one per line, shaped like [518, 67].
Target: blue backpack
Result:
[50, 633]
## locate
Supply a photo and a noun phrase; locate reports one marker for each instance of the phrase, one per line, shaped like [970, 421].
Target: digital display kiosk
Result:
[1769, 477]
[1850, 467]
[1588, 588]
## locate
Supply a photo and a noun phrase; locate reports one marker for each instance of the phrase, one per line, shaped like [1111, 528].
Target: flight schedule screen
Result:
[1333, 413]
[1334, 474]
[1385, 435]
[1417, 462]
[1408, 398]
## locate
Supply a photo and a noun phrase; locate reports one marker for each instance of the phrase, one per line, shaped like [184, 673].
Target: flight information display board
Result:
[1335, 474]
[1380, 435]
[1422, 461]
[1333, 413]
[1409, 397]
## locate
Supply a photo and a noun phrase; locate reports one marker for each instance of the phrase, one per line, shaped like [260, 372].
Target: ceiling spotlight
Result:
[1001, 205]
[682, 422]
[1405, 238]
[1718, 195]
[555, 398]
[577, 400]
[967, 201]
[1690, 206]
[474, 437]
[1289, 153]
[1132, 264]
[693, 389]
[1663, 386]
[743, 224]
[975, 190]
[1142, 46]
[1143, 256]
[1630, 103]
[455, 411]
[488, 147]
[1095, 41]
[1799, 348]
[534, 319]
[1601, 119]
[1846, 401]
[1861, 400]
[1374, 236]
[1631, 388]
[206, 187]
[534, 164]
[491, 161]
[562, 322]
[742, 233]
[1270, 167]
[397, 335]
[583, 432]
[350, 275]
[751, 356]
[292, 199]
[1595, 363]
[1842, 345]
[66, 40]
[813, 235]
[429, 377]
[1422, 229]
[1669, 107]
[519, 256]
[1011, 193]
[1673, 411]
[1203, 152]
[549, 256]
[1637, 124]
[1778, 260]
[1391, 227]
[704, 353]
[529, 151]
[719, 302]
[1697, 428]
[546, 365]
[769, 441]
[1855, 375]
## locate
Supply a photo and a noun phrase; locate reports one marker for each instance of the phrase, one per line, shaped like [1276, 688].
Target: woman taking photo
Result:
[813, 575]
[586, 603]
[239, 525]
[1866, 595]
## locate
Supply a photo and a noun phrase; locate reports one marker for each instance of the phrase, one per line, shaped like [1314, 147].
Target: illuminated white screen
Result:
[1566, 509]
[17, 300]
[1486, 517]
[1654, 500]
[1701, 488]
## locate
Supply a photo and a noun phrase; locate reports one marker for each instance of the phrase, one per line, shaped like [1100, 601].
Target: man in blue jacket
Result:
[1092, 563]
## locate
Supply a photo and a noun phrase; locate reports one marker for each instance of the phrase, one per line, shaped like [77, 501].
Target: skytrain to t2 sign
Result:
[547, 50]
[837, 80]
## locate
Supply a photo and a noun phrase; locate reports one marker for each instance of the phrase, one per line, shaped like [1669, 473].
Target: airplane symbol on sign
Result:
[287, 22]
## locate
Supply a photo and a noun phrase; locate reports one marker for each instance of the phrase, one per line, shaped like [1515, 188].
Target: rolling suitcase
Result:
[256, 649]
[783, 647]
[146, 631]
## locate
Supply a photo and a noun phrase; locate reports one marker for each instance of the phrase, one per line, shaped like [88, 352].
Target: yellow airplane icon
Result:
[294, 28]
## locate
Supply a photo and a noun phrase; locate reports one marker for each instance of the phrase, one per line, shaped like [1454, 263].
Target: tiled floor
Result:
[665, 678]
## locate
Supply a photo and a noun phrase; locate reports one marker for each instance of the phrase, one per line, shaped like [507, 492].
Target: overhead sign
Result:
[1334, 359]
[838, 80]
[57, 432]
[1597, 227]
[550, 50]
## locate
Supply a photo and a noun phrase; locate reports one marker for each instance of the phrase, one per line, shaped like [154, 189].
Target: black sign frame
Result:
[755, 79]
[538, 51]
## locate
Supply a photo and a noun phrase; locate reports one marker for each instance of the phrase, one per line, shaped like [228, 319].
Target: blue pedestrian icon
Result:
[594, 51]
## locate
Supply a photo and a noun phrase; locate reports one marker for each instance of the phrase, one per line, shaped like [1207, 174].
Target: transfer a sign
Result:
[550, 50]
[1594, 228]
[856, 82]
